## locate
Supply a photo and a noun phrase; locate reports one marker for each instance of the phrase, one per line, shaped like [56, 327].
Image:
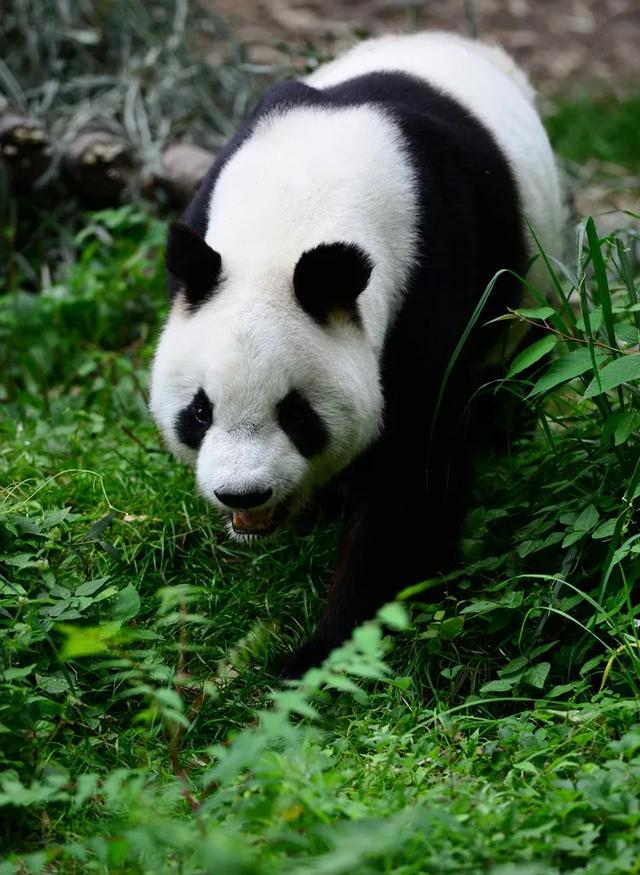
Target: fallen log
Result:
[25, 148]
[100, 167]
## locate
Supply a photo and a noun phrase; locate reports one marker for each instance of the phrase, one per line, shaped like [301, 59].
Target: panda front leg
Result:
[376, 561]
[357, 589]
[389, 544]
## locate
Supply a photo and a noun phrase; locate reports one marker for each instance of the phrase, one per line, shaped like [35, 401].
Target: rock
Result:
[182, 169]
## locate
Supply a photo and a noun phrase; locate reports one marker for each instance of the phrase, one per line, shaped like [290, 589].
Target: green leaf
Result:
[587, 519]
[625, 369]
[595, 321]
[127, 604]
[55, 683]
[560, 690]
[170, 698]
[89, 640]
[91, 586]
[105, 593]
[501, 686]
[535, 312]
[527, 547]
[570, 366]
[592, 663]
[368, 638]
[55, 517]
[12, 674]
[531, 355]
[394, 615]
[526, 767]
[604, 293]
[515, 666]
[480, 607]
[573, 538]
[110, 549]
[604, 530]
[59, 592]
[21, 560]
[621, 426]
[628, 336]
[86, 785]
[450, 673]
[542, 648]
[537, 675]
[511, 599]
[99, 527]
[451, 627]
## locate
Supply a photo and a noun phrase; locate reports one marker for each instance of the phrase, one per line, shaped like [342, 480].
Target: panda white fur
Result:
[321, 279]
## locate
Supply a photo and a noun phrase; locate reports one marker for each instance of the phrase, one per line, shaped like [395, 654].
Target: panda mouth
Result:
[258, 523]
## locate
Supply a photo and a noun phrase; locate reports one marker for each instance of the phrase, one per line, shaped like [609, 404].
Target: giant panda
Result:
[321, 279]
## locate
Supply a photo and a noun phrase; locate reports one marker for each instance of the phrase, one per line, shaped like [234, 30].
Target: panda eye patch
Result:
[194, 420]
[302, 424]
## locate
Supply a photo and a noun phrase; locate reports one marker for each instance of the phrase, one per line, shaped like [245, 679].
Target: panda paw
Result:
[310, 655]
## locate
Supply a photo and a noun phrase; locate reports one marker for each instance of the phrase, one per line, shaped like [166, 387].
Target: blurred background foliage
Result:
[129, 67]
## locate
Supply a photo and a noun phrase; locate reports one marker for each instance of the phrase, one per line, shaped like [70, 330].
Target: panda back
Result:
[484, 80]
[438, 151]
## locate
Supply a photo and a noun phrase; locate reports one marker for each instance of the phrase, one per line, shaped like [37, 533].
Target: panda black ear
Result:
[193, 267]
[330, 277]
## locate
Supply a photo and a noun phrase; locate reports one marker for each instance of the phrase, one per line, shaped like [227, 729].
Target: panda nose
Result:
[243, 500]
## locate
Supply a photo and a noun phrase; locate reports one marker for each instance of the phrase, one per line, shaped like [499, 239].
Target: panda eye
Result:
[202, 412]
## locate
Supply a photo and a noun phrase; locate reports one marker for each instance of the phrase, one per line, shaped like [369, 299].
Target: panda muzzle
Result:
[252, 522]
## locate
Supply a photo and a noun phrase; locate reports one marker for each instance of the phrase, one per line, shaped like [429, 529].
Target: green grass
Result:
[605, 128]
[491, 725]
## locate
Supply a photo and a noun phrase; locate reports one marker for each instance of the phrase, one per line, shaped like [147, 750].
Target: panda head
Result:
[264, 378]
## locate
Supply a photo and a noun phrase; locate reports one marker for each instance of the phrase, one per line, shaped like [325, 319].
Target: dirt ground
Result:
[564, 44]
[567, 47]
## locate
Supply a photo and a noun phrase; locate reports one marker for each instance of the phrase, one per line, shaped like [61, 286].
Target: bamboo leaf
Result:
[573, 365]
[535, 312]
[604, 294]
[623, 370]
[532, 354]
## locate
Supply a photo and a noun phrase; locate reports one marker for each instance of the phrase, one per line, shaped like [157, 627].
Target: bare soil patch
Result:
[564, 44]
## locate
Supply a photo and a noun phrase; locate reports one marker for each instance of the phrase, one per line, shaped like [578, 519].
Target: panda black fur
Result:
[322, 277]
